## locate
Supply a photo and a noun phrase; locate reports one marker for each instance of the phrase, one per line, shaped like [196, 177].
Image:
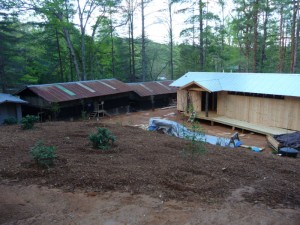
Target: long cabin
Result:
[94, 97]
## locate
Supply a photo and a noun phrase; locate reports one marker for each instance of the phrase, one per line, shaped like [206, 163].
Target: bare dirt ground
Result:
[141, 119]
[146, 178]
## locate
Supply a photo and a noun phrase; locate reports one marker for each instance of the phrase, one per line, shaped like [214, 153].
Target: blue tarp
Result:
[176, 129]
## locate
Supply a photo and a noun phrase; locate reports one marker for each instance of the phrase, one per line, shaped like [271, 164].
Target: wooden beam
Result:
[196, 89]
[273, 142]
[206, 104]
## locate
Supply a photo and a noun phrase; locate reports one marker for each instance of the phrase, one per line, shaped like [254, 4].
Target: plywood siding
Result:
[266, 111]
[181, 100]
[195, 97]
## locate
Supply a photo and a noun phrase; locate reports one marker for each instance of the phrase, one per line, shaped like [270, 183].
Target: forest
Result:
[47, 41]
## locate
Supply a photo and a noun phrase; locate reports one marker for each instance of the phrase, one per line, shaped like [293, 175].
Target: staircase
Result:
[97, 114]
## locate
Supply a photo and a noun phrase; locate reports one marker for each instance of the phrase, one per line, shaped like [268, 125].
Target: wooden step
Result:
[92, 115]
[97, 114]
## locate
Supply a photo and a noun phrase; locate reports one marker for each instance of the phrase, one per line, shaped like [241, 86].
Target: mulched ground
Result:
[148, 163]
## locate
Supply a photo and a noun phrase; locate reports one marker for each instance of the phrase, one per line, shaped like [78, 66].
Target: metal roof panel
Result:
[144, 89]
[261, 83]
[10, 98]
[61, 92]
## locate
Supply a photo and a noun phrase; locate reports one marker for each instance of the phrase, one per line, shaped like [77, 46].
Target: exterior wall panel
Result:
[181, 100]
[196, 100]
[282, 113]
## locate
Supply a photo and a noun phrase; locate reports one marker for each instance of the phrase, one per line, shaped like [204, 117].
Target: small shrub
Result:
[102, 139]
[42, 154]
[119, 123]
[196, 145]
[130, 122]
[84, 115]
[10, 121]
[28, 122]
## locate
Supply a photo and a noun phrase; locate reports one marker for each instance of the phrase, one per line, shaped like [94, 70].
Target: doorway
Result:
[212, 101]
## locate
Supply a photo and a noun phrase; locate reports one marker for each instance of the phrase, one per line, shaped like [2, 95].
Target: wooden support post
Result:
[206, 104]
[212, 123]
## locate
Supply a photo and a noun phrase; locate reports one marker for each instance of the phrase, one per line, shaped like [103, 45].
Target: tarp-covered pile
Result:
[289, 140]
[175, 129]
[286, 144]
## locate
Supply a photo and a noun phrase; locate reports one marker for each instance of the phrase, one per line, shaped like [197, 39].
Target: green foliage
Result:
[28, 79]
[55, 109]
[196, 145]
[103, 139]
[84, 115]
[10, 121]
[190, 108]
[28, 121]
[42, 154]
[38, 52]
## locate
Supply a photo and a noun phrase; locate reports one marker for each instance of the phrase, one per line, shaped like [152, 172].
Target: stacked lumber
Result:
[273, 142]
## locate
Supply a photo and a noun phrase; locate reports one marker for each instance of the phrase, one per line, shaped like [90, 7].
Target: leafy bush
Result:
[42, 154]
[102, 139]
[10, 121]
[28, 121]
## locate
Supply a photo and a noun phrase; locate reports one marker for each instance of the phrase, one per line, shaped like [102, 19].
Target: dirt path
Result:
[39, 205]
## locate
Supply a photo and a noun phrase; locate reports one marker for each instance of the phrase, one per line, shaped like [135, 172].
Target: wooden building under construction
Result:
[242, 100]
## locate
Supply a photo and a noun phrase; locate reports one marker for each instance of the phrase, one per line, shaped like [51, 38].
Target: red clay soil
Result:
[143, 162]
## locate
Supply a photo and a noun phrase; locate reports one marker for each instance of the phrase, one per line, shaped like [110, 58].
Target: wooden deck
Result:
[256, 128]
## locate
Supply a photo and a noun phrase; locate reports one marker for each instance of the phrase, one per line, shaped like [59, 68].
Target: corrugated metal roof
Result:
[62, 92]
[261, 83]
[10, 98]
[144, 89]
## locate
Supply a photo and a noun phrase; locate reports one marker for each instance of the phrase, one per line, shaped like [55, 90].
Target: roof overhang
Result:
[194, 86]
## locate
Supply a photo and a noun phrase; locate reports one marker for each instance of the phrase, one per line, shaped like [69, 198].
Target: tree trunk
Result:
[296, 39]
[83, 75]
[72, 51]
[201, 48]
[132, 52]
[131, 49]
[255, 41]
[3, 81]
[112, 51]
[82, 34]
[171, 40]
[59, 57]
[281, 42]
[67, 37]
[144, 66]
[293, 38]
[130, 77]
[265, 35]
[222, 35]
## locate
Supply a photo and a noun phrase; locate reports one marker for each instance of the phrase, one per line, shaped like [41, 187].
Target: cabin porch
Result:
[213, 117]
